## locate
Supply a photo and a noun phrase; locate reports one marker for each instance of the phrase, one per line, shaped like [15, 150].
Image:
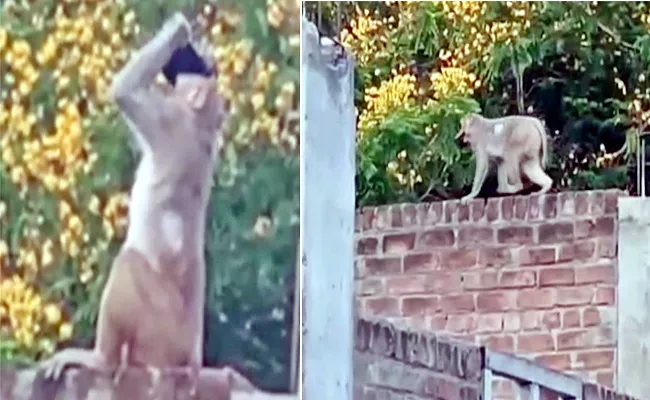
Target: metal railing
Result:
[530, 377]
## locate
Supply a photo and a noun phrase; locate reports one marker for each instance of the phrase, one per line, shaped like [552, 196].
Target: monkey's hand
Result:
[54, 366]
[467, 199]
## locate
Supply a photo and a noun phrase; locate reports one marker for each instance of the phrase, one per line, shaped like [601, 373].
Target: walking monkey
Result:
[152, 306]
[517, 143]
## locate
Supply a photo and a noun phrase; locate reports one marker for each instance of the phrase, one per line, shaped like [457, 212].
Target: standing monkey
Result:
[517, 143]
[152, 306]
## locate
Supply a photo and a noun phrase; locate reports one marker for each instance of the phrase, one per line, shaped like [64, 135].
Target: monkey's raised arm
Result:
[131, 86]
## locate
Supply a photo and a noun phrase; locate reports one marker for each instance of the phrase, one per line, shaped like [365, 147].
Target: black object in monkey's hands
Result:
[185, 60]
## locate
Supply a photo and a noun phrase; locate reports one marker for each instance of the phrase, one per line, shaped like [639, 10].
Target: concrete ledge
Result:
[134, 383]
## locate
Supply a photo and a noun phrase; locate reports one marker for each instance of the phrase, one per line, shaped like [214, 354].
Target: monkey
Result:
[519, 145]
[151, 309]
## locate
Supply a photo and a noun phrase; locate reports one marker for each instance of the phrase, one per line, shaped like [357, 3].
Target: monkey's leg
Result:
[113, 324]
[502, 176]
[479, 176]
[533, 170]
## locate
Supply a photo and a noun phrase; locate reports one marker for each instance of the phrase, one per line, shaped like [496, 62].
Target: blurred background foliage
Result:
[67, 163]
[582, 67]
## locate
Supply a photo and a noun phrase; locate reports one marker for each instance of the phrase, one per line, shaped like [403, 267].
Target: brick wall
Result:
[134, 383]
[534, 275]
[393, 364]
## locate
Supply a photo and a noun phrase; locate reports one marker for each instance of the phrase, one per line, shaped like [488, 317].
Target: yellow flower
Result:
[275, 15]
[52, 314]
[262, 226]
[65, 331]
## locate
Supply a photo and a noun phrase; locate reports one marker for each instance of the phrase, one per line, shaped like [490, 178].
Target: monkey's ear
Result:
[469, 119]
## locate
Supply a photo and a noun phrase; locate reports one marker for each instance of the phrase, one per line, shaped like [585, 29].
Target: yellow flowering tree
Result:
[67, 162]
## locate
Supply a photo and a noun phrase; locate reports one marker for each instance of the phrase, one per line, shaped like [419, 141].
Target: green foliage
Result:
[425, 138]
[250, 289]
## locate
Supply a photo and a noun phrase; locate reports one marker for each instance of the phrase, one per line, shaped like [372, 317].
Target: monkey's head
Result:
[465, 131]
[192, 76]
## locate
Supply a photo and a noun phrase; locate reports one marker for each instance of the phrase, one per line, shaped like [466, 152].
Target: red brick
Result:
[433, 213]
[410, 215]
[480, 280]
[515, 235]
[396, 216]
[419, 305]
[370, 286]
[511, 322]
[358, 222]
[605, 296]
[571, 319]
[517, 279]
[366, 246]
[582, 203]
[596, 274]
[521, 206]
[399, 243]
[536, 299]
[567, 204]
[437, 237]
[576, 251]
[594, 359]
[475, 234]
[444, 282]
[605, 202]
[461, 323]
[457, 259]
[550, 320]
[382, 266]
[487, 323]
[574, 296]
[366, 215]
[585, 338]
[438, 322]
[457, 303]
[451, 208]
[507, 208]
[549, 206]
[535, 342]
[605, 378]
[404, 215]
[606, 248]
[492, 209]
[603, 226]
[495, 301]
[463, 212]
[408, 284]
[495, 256]
[499, 342]
[557, 232]
[537, 256]
[556, 361]
[591, 317]
[477, 209]
[533, 207]
[384, 306]
[421, 262]
[382, 218]
[555, 276]
[530, 320]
